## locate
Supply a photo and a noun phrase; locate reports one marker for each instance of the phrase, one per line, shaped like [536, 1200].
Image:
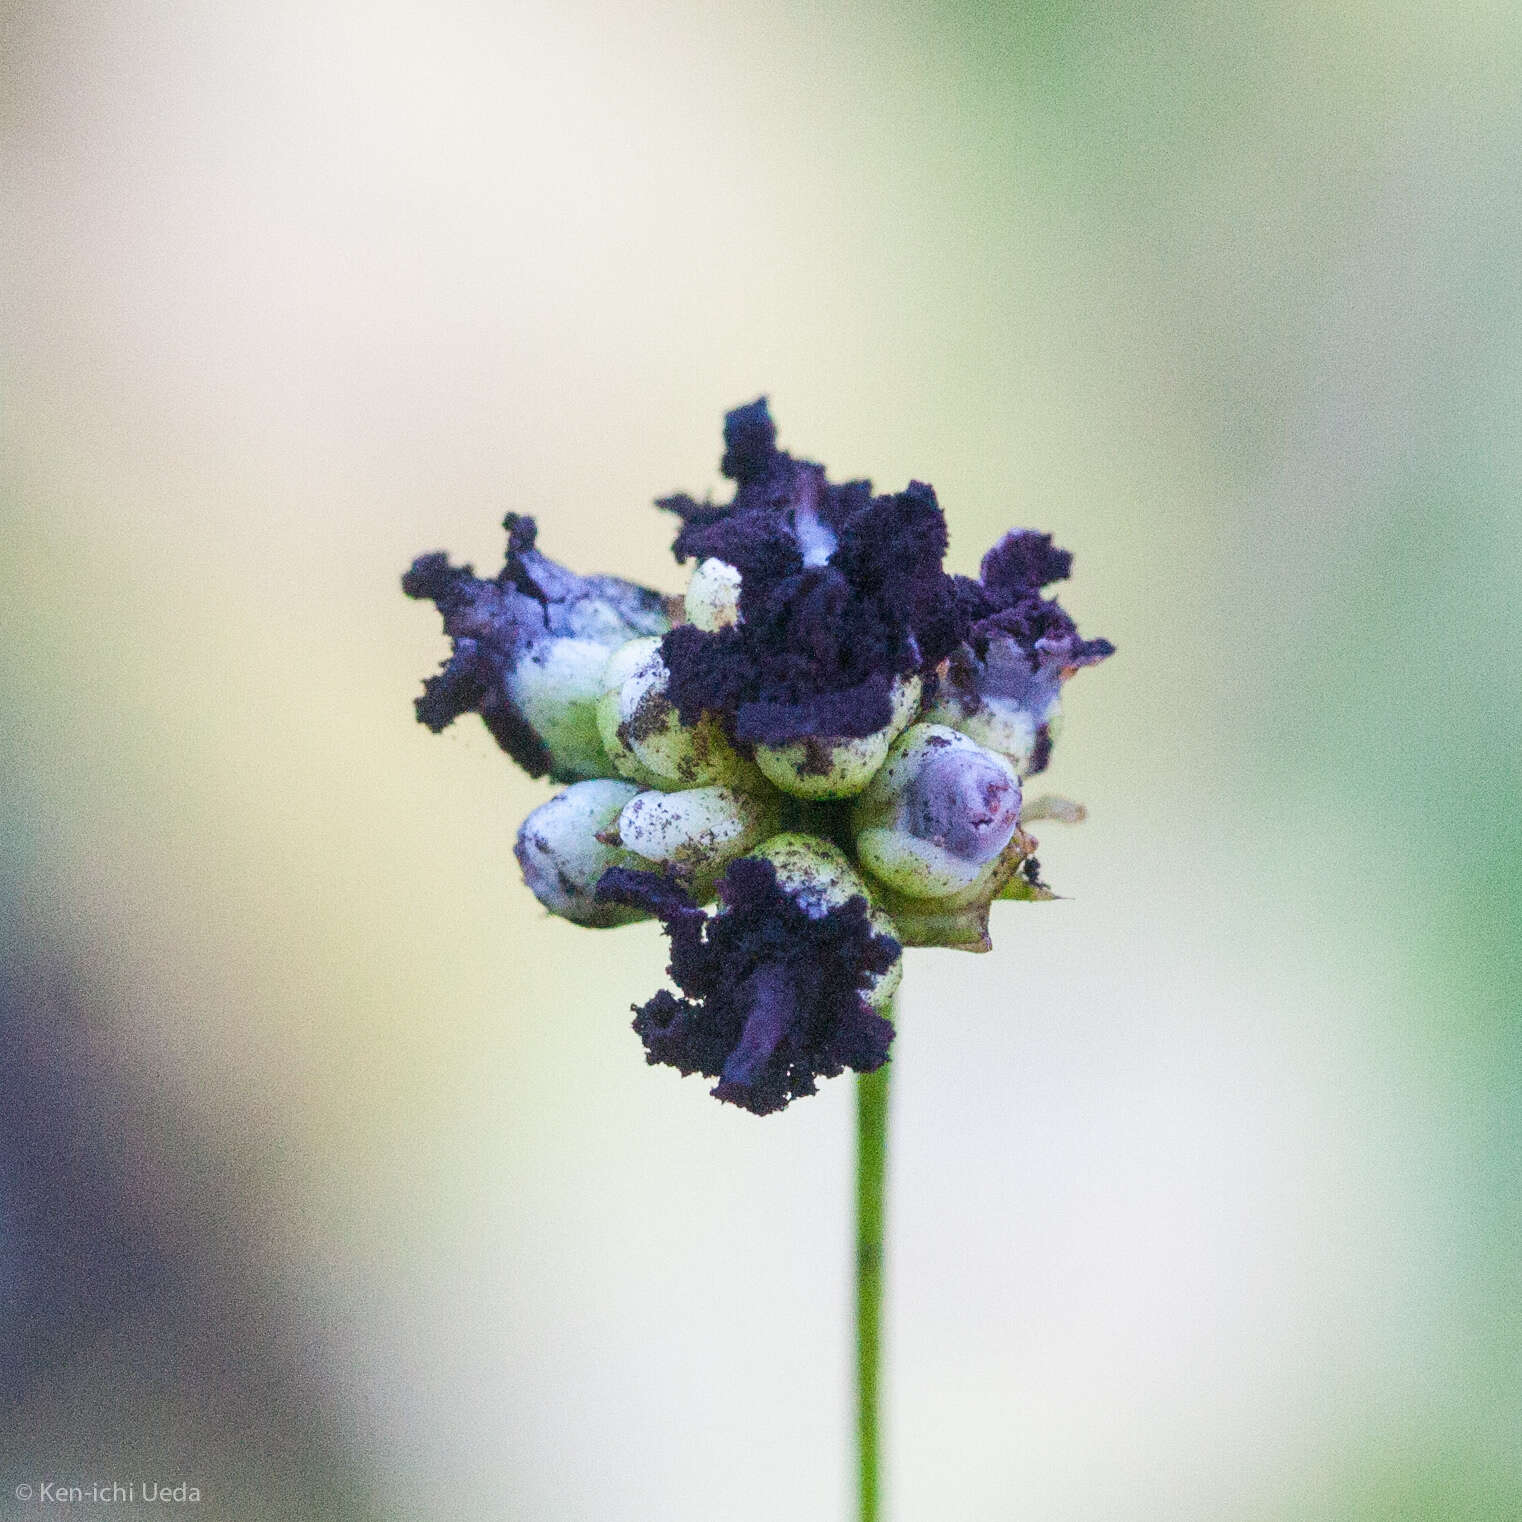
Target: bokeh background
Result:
[333, 1180]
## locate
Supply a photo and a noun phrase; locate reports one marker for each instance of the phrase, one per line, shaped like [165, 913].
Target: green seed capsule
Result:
[713, 595]
[620, 666]
[556, 687]
[1007, 729]
[820, 878]
[562, 858]
[938, 817]
[825, 769]
[645, 736]
[698, 831]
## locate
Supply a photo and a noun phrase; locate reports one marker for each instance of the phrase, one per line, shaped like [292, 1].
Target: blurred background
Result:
[332, 1179]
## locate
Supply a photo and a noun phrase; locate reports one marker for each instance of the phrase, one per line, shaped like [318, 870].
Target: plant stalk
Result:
[871, 1175]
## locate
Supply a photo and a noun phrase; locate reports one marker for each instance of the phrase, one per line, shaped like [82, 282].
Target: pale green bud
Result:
[819, 876]
[824, 769]
[713, 595]
[562, 857]
[620, 666]
[698, 831]
[646, 738]
[938, 817]
[556, 687]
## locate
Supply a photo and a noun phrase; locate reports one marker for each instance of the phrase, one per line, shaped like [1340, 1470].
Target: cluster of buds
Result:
[812, 760]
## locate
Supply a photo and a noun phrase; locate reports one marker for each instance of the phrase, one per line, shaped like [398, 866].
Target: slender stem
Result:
[871, 1171]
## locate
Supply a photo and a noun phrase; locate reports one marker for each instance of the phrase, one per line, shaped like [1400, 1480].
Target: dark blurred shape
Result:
[141, 1336]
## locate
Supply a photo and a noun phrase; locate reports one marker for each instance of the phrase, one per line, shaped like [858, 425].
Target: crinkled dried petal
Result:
[773, 992]
[509, 635]
[1002, 684]
[840, 593]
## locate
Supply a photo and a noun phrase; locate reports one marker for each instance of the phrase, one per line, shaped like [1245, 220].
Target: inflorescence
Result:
[825, 740]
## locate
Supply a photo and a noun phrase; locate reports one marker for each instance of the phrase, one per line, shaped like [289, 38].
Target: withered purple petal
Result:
[750, 440]
[1007, 602]
[493, 624]
[1020, 646]
[1023, 562]
[773, 995]
[840, 593]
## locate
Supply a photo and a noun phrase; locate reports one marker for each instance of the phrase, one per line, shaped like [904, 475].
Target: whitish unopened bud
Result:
[939, 815]
[820, 879]
[620, 666]
[841, 768]
[699, 831]
[556, 686]
[562, 858]
[644, 734]
[713, 595]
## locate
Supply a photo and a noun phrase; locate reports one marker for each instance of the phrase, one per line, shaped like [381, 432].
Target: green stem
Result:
[871, 1171]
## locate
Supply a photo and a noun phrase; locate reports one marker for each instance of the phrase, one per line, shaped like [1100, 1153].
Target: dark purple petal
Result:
[1023, 562]
[1020, 646]
[859, 710]
[750, 441]
[491, 627]
[493, 624]
[1006, 604]
[840, 593]
[773, 996]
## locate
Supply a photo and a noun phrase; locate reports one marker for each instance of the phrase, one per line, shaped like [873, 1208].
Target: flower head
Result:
[828, 747]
